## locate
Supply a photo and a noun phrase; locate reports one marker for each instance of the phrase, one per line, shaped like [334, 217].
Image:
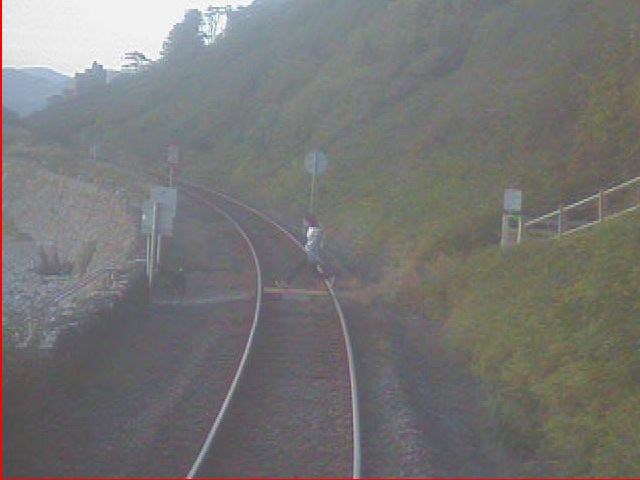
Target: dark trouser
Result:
[312, 266]
[180, 283]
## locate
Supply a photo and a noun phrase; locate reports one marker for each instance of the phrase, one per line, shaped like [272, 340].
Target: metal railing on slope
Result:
[83, 282]
[590, 211]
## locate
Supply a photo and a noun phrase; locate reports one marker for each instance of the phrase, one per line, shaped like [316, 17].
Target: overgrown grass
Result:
[553, 329]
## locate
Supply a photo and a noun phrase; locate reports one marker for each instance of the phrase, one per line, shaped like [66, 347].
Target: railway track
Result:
[248, 386]
[292, 407]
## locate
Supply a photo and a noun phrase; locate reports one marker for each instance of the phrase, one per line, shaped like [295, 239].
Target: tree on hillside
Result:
[216, 21]
[185, 39]
[136, 61]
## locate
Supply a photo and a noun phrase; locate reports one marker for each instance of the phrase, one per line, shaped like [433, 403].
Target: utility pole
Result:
[152, 253]
[148, 263]
[316, 164]
[173, 159]
[214, 17]
[158, 252]
[312, 201]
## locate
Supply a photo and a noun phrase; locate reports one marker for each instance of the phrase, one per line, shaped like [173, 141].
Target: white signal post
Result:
[157, 221]
[316, 164]
[313, 183]
[511, 209]
[154, 230]
[173, 158]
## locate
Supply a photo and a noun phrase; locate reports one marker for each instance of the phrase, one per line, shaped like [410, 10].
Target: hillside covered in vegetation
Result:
[554, 330]
[427, 111]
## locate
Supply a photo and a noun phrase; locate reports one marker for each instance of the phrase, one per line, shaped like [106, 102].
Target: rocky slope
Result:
[85, 226]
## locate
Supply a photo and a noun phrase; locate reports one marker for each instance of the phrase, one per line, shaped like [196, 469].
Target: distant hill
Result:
[25, 90]
[47, 74]
[10, 118]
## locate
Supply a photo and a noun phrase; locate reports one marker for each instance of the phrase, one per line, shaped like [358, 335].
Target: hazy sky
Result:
[67, 35]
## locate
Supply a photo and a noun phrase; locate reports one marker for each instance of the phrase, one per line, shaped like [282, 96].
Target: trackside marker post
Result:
[511, 213]
[157, 221]
[316, 163]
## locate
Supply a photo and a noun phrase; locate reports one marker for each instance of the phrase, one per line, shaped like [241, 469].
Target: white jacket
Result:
[314, 243]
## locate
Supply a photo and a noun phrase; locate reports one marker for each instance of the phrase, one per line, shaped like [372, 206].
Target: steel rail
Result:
[217, 422]
[215, 427]
[355, 409]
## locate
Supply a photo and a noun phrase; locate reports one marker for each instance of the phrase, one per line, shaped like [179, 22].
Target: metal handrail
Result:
[609, 217]
[623, 185]
[540, 219]
[583, 201]
[88, 279]
[595, 197]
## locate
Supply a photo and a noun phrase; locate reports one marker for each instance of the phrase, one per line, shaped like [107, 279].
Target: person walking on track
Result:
[312, 248]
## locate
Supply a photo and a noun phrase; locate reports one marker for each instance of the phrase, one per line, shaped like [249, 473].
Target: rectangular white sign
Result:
[166, 197]
[512, 200]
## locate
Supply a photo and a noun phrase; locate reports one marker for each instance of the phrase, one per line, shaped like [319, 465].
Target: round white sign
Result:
[316, 162]
[173, 154]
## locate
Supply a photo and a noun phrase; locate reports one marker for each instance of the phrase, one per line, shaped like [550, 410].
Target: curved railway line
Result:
[227, 380]
[292, 407]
